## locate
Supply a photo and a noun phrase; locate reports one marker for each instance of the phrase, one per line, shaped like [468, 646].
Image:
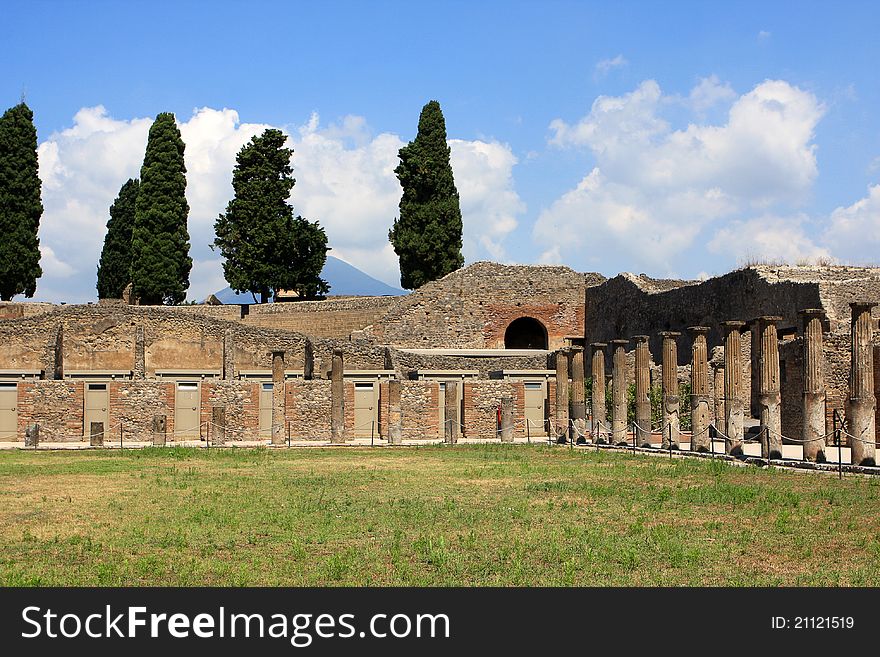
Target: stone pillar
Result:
[308, 360]
[507, 419]
[813, 426]
[643, 391]
[159, 430]
[597, 398]
[218, 425]
[140, 366]
[861, 404]
[395, 415]
[337, 399]
[450, 426]
[754, 368]
[578, 395]
[700, 390]
[618, 392]
[229, 355]
[561, 396]
[733, 403]
[58, 365]
[670, 390]
[96, 434]
[769, 398]
[32, 435]
[278, 429]
[718, 385]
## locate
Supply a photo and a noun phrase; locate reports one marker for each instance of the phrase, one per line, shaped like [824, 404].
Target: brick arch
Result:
[525, 333]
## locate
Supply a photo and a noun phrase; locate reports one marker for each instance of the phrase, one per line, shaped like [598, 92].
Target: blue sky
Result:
[670, 138]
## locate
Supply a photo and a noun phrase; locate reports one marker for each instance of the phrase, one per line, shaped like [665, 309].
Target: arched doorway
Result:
[525, 333]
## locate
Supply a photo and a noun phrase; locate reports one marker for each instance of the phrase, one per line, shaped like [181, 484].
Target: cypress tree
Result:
[160, 262]
[265, 248]
[427, 235]
[20, 204]
[114, 268]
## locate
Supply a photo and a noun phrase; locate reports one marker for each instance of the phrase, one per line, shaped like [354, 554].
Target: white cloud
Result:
[344, 179]
[768, 238]
[854, 232]
[605, 66]
[710, 92]
[763, 35]
[655, 189]
[489, 203]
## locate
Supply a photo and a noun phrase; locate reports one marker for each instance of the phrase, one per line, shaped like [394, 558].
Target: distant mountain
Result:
[344, 280]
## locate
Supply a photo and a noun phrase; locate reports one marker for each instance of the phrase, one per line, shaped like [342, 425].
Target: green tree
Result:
[114, 267]
[160, 262]
[265, 248]
[427, 234]
[20, 204]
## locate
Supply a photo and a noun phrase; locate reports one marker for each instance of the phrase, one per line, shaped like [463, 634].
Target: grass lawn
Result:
[469, 515]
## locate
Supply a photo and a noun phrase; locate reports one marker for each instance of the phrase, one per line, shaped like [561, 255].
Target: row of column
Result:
[729, 406]
[337, 403]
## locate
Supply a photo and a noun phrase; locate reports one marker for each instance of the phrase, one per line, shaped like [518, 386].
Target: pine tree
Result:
[160, 262]
[265, 248]
[114, 268]
[427, 235]
[20, 204]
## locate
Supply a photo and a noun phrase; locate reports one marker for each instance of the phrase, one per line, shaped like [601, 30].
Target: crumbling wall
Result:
[472, 307]
[628, 305]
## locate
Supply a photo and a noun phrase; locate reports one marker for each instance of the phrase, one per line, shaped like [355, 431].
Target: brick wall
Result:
[57, 406]
[481, 401]
[307, 409]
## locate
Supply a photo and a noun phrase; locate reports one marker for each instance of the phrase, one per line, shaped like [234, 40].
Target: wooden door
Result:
[535, 405]
[365, 407]
[8, 411]
[266, 391]
[97, 401]
[186, 410]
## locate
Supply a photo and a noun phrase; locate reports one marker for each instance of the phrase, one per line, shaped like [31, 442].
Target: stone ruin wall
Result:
[102, 338]
[472, 307]
[628, 305]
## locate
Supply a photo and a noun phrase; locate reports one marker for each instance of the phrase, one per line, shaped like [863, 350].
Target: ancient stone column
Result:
[96, 434]
[754, 368]
[278, 419]
[578, 393]
[228, 355]
[395, 415]
[718, 385]
[159, 430]
[733, 403]
[58, 365]
[861, 404]
[140, 367]
[597, 398]
[618, 392]
[308, 360]
[561, 428]
[337, 399]
[699, 390]
[769, 398]
[218, 425]
[507, 419]
[450, 428]
[814, 385]
[643, 391]
[670, 390]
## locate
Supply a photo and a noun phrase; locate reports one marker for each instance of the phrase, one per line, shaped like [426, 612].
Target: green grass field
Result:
[469, 515]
